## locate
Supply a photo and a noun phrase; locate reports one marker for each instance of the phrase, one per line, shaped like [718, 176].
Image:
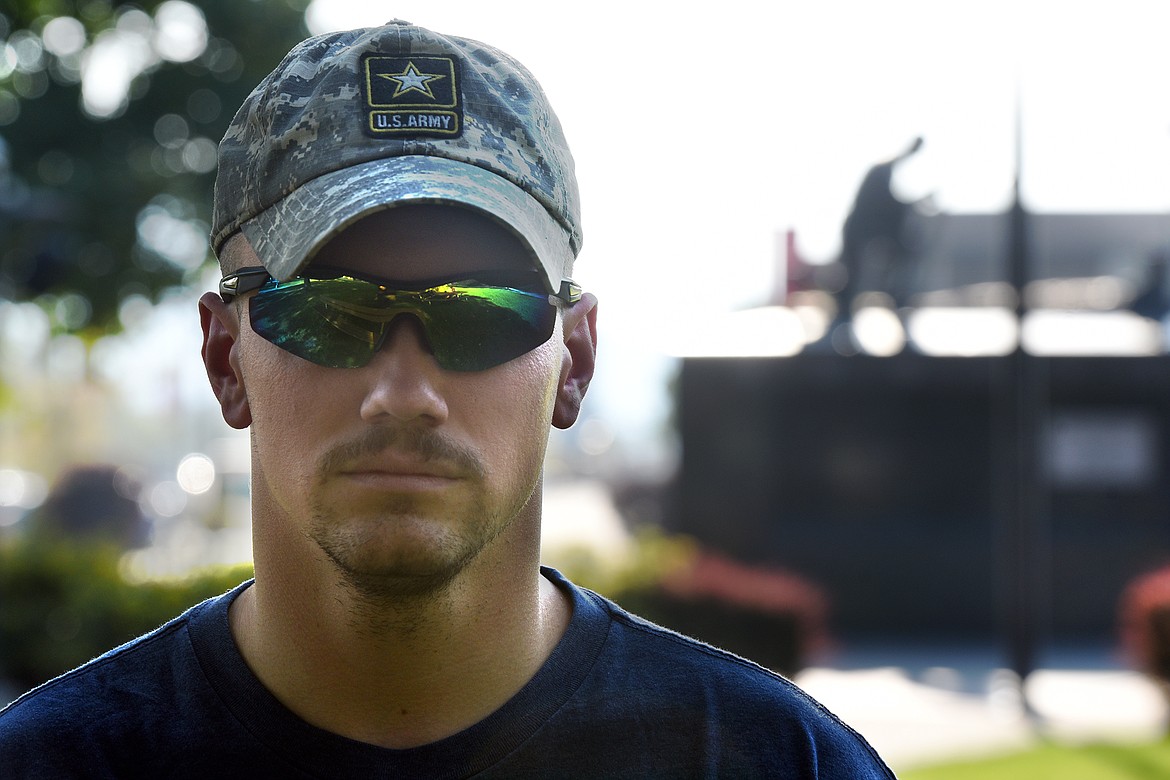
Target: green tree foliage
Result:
[109, 116]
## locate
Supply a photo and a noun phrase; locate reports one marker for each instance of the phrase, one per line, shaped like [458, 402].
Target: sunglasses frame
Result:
[253, 278]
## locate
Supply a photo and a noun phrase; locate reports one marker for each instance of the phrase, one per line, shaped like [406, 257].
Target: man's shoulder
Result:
[666, 655]
[662, 660]
[690, 693]
[659, 649]
[135, 659]
[149, 680]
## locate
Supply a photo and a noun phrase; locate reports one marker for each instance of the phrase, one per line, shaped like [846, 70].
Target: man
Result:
[396, 216]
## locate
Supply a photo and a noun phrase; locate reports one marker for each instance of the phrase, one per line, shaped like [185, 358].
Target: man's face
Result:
[400, 472]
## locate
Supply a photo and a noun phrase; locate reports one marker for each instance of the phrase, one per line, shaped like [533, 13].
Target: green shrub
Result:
[62, 604]
[773, 617]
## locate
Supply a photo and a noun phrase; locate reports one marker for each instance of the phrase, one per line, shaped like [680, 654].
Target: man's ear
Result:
[580, 358]
[221, 331]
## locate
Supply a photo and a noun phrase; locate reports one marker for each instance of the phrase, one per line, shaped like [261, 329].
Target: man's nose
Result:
[405, 379]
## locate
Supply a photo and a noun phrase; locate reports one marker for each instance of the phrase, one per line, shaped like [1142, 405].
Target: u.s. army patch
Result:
[412, 96]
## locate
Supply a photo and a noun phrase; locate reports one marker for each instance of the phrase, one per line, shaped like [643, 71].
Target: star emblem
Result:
[412, 80]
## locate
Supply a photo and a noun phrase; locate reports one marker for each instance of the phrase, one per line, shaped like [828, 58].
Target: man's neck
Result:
[401, 675]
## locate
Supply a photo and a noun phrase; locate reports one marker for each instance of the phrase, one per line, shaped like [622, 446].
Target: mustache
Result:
[425, 445]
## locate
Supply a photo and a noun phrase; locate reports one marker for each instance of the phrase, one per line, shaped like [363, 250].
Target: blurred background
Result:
[883, 396]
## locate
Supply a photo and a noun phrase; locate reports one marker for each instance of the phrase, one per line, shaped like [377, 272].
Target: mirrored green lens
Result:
[342, 322]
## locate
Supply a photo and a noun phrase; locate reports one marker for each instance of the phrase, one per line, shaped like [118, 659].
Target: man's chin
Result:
[404, 563]
[399, 585]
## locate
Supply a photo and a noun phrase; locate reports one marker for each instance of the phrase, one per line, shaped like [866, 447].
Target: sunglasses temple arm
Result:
[570, 291]
[243, 281]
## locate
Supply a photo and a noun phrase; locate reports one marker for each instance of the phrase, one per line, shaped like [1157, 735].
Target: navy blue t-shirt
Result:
[618, 698]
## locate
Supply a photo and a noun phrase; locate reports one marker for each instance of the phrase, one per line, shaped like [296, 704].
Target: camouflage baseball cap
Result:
[354, 122]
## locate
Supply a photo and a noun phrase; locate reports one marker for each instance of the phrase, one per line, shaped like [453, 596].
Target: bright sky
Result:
[703, 132]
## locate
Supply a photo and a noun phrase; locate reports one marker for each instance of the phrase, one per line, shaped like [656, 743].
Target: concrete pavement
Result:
[930, 716]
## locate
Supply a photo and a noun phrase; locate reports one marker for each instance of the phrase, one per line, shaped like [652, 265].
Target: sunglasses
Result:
[340, 320]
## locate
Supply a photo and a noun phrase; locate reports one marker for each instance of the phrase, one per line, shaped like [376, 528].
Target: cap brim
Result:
[289, 233]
